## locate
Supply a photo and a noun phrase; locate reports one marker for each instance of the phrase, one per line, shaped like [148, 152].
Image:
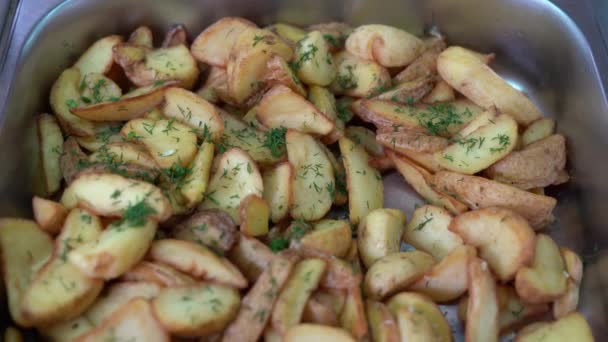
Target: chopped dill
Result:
[274, 140]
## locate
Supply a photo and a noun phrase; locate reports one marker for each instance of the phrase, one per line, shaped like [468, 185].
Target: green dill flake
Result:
[347, 80]
[85, 99]
[71, 103]
[439, 118]
[257, 39]
[133, 136]
[177, 174]
[249, 168]
[332, 40]
[306, 54]
[116, 194]
[278, 244]
[97, 91]
[274, 140]
[423, 223]
[331, 190]
[503, 143]
[136, 215]
[343, 111]
[169, 127]
[158, 83]
[448, 157]
[86, 218]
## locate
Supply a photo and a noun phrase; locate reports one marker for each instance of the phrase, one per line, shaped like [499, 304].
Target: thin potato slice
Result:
[469, 75]
[255, 214]
[49, 214]
[428, 231]
[482, 312]
[124, 153]
[572, 327]
[116, 296]
[367, 138]
[213, 228]
[195, 183]
[308, 332]
[64, 96]
[413, 326]
[196, 310]
[251, 256]
[198, 261]
[51, 149]
[396, 272]
[383, 326]
[313, 62]
[352, 318]
[424, 306]
[504, 239]
[538, 130]
[281, 107]
[290, 304]
[112, 195]
[357, 77]
[424, 65]
[98, 57]
[162, 275]
[379, 234]
[313, 176]
[442, 92]
[214, 44]
[278, 191]
[478, 192]
[279, 72]
[193, 111]
[364, 183]
[134, 321]
[387, 45]
[235, 178]
[333, 237]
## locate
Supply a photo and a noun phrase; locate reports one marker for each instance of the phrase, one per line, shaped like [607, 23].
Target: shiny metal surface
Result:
[539, 50]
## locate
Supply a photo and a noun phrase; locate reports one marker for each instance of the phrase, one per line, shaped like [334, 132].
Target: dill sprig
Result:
[136, 215]
[274, 140]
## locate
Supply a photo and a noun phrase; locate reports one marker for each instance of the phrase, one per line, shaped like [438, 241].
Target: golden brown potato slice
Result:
[95, 88]
[124, 153]
[365, 137]
[482, 312]
[425, 64]
[568, 302]
[279, 72]
[134, 321]
[214, 44]
[357, 77]
[193, 111]
[196, 310]
[334, 33]
[383, 326]
[469, 75]
[411, 140]
[160, 274]
[255, 214]
[308, 332]
[352, 318]
[171, 63]
[80, 226]
[482, 119]
[413, 326]
[428, 231]
[379, 234]
[141, 36]
[197, 260]
[574, 264]
[251, 256]
[333, 237]
[313, 61]
[113, 195]
[504, 239]
[291, 34]
[425, 307]
[72, 160]
[537, 165]
[364, 183]
[65, 95]
[195, 183]
[257, 304]
[215, 88]
[572, 327]
[236, 177]
[396, 272]
[386, 45]
[49, 214]
[68, 330]
[98, 57]
[442, 92]
[406, 92]
[478, 192]
[340, 275]
[51, 150]
[176, 35]
[116, 296]
[538, 130]
[213, 228]
[278, 190]
[546, 278]
[324, 100]
[319, 312]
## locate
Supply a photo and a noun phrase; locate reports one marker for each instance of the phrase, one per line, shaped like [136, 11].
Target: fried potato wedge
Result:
[339, 275]
[396, 272]
[64, 96]
[25, 248]
[313, 61]
[406, 140]
[482, 119]
[572, 327]
[482, 313]
[333, 237]
[235, 178]
[49, 215]
[170, 63]
[51, 149]
[251, 256]
[352, 318]
[124, 153]
[383, 326]
[290, 304]
[212, 227]
[111, 195]
[214, 44]
[386, 45]
[478, 192]
[324, 100]
[568, 303]
[160, 274]
[72, 160]
[196, 310]
[196, 182]
[289, 33]
[68, 330]
[365, 137]
[424, 306]
[357, 77]
[379, 234]
[504, 239]
[538, 130]
[364, 183]
[279, 72]
[334, 33]
[544, 280]
[574, 264]
[255, 214]
[198, 261]
[176, 35]
[442, 92]
[413, 326]
[466, 73]
[281, 107]
[428, 231]
[425, 64]
[132, 321]
[278, 190]
[98, 57]
[308, 332]
[116, 296]
[319, 312]
[80, 226]
[142, 36]
[215, 88]
[193, 111]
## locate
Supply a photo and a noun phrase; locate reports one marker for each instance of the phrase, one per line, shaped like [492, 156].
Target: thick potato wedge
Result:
[255, 214]
[196, 310]
[420, 180]
[352, 318]
[386, 45]
[383, 326]
[281, 107]
[313, 61]
[212, 228]
[428, 231]
[466, 73]
[365, 137]
[413, 326]
[480, 149]
[51, 150]
[290, 304]
[170, 63]
[447, 280]
[80, 227]
[504, 239]
[65, 95]
[116, 296]
[49, 215]
[214, 44]
[407, 92]
[72, 160]
[113, 195]
[340, 275]
[251, 256]
[574, 264]
[319, 312]
[426, 160]
[236, 177]
[195, 183]
[482, 313]
[215, 88]
[133, 321]
[193, 111]
[68, 330]
[278, 191]
[538, 130]
[95, 88]
[333, 237]
[313, 177]
[123, 153]
[572, 327]
[160, 274]
[324, 100]
[424, 65]
[406, 140]
[98, 57]
[424, 306]
[379, 234]
[544, 280]
[482, 119]
[142, 36]
[257, 304]
[568, 302]
[396, 272]
[176, 35]
[364, 183]
[442, 92]
[197, 261]
[119, 247]
[25, 248]
[537, 165]
[289, 33]
[334, 33]
[357, 77]
[168, 142]
[478, 192]
[279, 72]
[308, 332]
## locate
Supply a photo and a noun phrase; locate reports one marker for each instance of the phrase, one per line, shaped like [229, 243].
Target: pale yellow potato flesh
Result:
[379, 234]
[314, 62]
[572, 327]
[386, 45]
[214, 44]
[117, 295]
[307, 332]
[278, 189]
[51, 149]
[383, 326]
[49, 215]
[427, 308]
[482, 313]
[428, 231]
[98, 57]
[333, 237]
[196, 182]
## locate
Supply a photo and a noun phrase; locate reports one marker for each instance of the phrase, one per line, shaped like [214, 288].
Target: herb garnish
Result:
[275, 141]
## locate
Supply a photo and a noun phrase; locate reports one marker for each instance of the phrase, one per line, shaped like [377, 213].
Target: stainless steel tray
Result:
[540, 50]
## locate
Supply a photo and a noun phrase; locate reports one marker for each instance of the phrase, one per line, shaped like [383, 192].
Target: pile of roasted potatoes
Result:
[231, 190]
